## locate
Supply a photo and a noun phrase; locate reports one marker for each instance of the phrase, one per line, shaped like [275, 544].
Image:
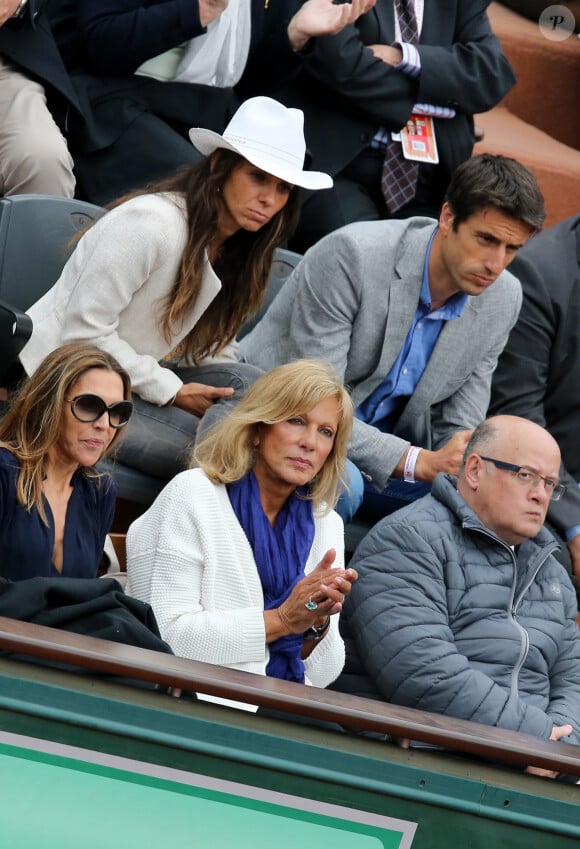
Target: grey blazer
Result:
[351, 301]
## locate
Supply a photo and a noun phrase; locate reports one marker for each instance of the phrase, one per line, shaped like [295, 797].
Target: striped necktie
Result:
[399, 177]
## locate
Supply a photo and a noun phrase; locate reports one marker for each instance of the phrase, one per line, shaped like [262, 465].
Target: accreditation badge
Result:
[418, 139]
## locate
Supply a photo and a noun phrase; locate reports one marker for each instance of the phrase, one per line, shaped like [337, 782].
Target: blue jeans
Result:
[397, 493]
[351, 499]
[370, 505]
[159, 440]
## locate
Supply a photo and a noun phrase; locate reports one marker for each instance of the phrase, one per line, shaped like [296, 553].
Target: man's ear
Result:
[472, 471]
[446, 219]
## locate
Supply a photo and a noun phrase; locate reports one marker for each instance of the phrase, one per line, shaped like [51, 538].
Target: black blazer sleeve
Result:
[538, 374]
[462, 63]
[116, 36]
[30, 44]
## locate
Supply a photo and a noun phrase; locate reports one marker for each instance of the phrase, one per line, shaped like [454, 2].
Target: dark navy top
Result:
[26, 543]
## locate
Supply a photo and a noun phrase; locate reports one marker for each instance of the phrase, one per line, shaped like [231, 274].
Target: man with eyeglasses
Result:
[461, 607]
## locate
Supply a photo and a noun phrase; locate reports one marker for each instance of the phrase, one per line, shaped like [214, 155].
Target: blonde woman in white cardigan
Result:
[170, 274]
[242, 559]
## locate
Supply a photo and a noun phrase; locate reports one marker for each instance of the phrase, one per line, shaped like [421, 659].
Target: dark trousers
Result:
[158, 440]
[148, 150]
[140, 132]
[356, 196]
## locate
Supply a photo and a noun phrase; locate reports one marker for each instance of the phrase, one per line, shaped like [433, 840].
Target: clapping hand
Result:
[323, 17]
[7, 9]
[209, 10]
[317, 596]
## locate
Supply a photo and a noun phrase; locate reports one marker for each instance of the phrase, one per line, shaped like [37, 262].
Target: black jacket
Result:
[538, 374]
[104, 41]
[29, 43]
[347, 93]
[97, 607]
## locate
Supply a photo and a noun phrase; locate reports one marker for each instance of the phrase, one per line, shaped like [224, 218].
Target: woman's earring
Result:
[219, 190]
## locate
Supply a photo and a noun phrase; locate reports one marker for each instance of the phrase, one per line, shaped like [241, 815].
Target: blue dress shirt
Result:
[384, 406]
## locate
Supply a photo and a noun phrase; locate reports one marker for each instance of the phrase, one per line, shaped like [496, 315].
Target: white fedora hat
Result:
[270, 136]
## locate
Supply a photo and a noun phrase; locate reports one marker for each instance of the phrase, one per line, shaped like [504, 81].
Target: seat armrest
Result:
[15, 331]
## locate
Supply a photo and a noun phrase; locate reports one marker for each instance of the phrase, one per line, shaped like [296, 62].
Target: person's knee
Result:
[158, 440]
[234, 375]
[243, 376]
[43, 165]
[239, 378]
[350, 499]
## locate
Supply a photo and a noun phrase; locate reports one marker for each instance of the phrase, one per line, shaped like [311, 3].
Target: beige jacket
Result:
[111, 293]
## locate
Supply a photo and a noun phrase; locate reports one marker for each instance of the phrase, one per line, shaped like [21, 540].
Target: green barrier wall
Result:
[89, 763]
[121, 807]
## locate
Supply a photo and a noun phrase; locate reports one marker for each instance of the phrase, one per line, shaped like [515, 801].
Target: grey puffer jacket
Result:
[446, 617]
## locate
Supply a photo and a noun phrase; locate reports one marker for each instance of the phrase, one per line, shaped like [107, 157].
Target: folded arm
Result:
[119, 35]
[463, 67]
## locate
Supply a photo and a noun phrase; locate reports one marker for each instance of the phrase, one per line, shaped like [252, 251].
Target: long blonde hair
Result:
[227, 453]
[33, 422]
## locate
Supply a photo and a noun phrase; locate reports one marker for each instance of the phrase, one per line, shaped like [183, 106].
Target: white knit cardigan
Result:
[111, 293]
[189, 558]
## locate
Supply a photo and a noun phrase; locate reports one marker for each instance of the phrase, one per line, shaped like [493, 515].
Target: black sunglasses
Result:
[89, 408]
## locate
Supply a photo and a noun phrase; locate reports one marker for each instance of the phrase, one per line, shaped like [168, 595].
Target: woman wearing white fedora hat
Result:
[173, 271]
[147, 69]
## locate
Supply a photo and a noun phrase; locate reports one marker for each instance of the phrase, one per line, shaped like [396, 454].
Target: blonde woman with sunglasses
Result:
[55, 507]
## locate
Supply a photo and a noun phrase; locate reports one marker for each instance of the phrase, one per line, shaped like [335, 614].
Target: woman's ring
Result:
[311, 605]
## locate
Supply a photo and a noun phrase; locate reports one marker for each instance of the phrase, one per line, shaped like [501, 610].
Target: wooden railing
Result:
[349, 711]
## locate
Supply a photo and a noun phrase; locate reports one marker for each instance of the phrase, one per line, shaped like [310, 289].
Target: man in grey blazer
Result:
[413, 316]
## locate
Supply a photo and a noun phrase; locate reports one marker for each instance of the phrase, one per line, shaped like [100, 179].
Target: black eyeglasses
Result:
[89, 408]
[528, 478]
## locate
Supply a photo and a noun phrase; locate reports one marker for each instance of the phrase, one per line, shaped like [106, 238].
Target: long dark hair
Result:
[243, 264]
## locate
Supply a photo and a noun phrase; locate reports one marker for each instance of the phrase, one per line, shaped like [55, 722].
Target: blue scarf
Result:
[280, 553]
